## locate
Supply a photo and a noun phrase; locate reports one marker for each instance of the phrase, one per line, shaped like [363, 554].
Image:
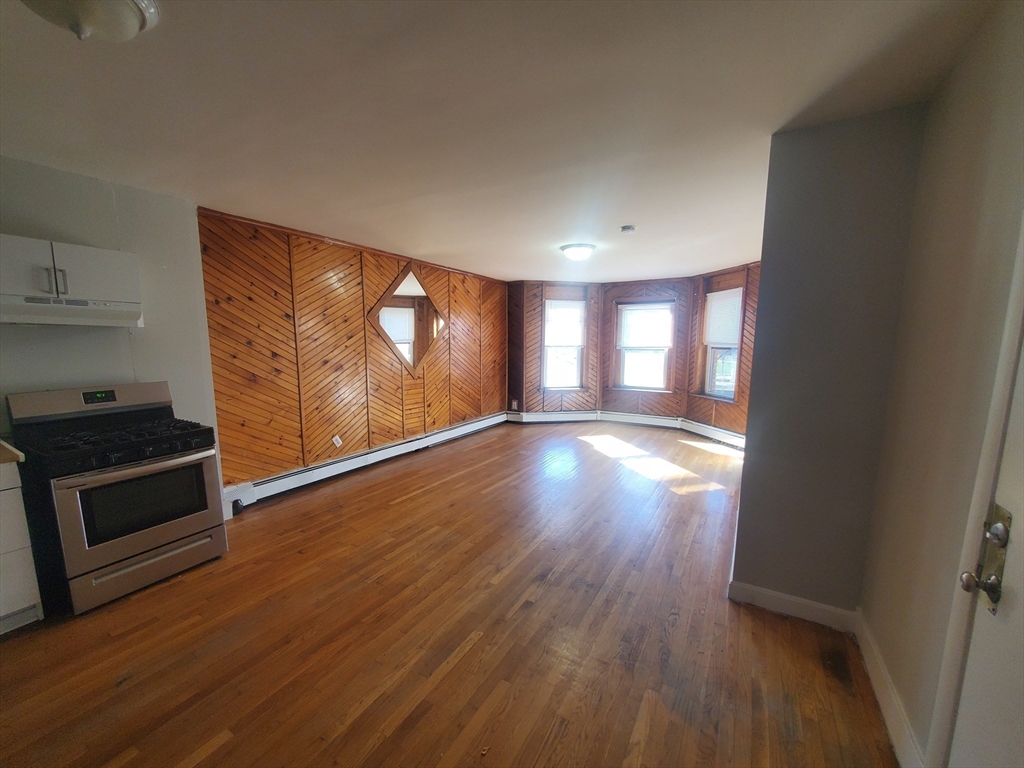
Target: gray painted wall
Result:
[837, 224]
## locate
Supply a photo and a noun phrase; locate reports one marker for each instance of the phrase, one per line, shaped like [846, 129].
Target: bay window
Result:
[723, 323]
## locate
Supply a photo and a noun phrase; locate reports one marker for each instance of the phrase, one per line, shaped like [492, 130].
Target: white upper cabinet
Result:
[26, 267]
[45, 283]
[96, 274]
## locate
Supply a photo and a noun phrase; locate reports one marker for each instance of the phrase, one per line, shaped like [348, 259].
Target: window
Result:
[563, 343]
[644, 343]
[400, 324]
[723, 321]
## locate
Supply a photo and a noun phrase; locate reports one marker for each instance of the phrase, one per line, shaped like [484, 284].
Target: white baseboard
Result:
[908, 751]
[288, 481]
[551, 416]
[640, 419]
[819, 613]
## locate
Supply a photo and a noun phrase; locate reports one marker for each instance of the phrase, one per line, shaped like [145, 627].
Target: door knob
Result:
[992, 586]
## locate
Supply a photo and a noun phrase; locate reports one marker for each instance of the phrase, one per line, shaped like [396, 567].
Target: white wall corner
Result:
[819, 613]
[908, 751]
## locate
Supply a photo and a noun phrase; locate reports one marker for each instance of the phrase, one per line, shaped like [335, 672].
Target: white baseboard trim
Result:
[777, 602]
[908, 751]
[20, 618]
[552, 416]
[288, 481]
[640, 419]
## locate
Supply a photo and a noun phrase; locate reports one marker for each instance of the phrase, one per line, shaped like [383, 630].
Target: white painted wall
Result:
[966, 222]
[837, 226]
[163, 232]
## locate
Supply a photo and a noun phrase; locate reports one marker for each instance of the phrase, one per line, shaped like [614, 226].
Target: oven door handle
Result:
[106, 477]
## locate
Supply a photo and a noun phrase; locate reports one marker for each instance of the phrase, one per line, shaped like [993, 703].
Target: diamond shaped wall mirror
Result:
[408, 319]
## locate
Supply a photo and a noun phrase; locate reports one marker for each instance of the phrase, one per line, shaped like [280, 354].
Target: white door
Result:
[96, 274]
[990, 718]
[26, 267]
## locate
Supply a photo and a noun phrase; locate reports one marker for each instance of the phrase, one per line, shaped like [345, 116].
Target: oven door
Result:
[113, 514]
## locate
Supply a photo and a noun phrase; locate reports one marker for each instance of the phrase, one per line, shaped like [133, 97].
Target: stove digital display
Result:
[99, 396]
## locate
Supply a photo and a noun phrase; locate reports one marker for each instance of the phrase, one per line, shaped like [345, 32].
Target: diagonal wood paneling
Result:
[464, 312]
[436, 363]
[249, 308]
[295, 362]
[672, 403]
[383, 368]
[534, 319]
[493, 341]
[332, 356]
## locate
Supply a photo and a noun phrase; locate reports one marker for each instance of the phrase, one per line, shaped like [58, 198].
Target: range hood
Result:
[48, 283]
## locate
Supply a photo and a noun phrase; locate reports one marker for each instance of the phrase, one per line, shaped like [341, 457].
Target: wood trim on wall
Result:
[297, 360]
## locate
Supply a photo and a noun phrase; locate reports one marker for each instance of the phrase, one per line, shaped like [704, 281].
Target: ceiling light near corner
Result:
[115, 21]
[578, 251]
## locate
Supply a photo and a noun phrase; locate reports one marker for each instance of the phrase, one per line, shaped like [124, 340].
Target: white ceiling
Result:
[476, 135]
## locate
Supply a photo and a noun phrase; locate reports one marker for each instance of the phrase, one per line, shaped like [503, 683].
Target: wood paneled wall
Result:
[671, 403]
[296, 362]
[715, 411]
[525, 347]
[525, 351]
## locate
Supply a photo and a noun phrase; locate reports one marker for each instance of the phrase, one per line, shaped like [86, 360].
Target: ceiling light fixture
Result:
[115, 21]
[578, 251]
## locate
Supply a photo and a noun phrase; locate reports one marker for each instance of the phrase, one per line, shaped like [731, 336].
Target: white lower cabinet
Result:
[19, 592]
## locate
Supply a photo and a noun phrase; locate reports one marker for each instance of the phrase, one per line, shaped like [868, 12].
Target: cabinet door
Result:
[26, 267]
[96, 274]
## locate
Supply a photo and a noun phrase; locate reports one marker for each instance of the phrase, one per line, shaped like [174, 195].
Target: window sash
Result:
[556, 376]
[635, 379]
[717, 354]
[638, 310]
[723, 318]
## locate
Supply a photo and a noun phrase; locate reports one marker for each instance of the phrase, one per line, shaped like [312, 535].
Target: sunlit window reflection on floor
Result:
[613, 447]
[721, 450]
[560, 463]
[679, 480]
[654, 468]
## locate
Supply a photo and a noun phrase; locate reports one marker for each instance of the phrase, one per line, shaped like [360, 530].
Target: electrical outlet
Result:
[337, 441]
[515, 405]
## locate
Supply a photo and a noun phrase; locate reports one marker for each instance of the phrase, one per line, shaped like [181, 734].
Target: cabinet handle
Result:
[49, 281]
[64, 280]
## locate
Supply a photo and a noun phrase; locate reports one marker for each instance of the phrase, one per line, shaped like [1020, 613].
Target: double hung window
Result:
[644, 344]
[564, 323]
[723, 323]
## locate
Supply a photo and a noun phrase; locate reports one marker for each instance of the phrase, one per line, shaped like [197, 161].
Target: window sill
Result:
[565, 389]
[716, 398]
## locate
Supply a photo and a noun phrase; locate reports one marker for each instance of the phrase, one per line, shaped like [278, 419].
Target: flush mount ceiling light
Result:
[578, 251]
[115, 21]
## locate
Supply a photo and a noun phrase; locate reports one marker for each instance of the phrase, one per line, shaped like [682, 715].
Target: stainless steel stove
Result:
[118, 492]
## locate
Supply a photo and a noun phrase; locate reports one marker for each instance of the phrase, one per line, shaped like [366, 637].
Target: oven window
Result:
[120, 509]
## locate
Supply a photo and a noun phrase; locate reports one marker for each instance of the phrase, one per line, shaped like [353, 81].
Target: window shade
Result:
[398, 323]
[645, 325]
[563, 323]
[723, 317]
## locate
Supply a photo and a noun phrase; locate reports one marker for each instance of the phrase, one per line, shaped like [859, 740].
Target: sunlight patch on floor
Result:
[721, 450]
[613, 447]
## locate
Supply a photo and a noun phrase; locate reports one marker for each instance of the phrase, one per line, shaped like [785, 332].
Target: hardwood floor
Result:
[529, 595]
